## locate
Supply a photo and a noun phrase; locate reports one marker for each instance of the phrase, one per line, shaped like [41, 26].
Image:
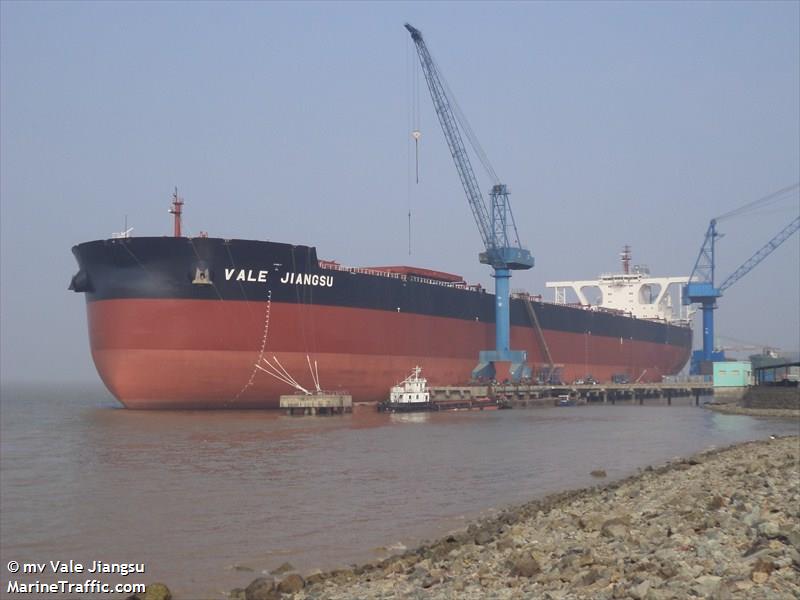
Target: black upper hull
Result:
[223, 270]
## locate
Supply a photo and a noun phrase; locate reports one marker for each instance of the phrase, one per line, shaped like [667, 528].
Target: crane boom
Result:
[453, 136]
[494, 222]
[762, 253]
[703, 271]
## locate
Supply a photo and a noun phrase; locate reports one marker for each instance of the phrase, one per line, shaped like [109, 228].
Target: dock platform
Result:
[529, 395]
[317, 404]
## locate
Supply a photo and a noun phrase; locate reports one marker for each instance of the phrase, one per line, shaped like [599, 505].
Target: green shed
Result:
[738, 373]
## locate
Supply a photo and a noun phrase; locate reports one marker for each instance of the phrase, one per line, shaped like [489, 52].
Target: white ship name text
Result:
[308, 279]
[246, 275]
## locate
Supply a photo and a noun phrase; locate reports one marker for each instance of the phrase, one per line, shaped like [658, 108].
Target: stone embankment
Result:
[764, 401]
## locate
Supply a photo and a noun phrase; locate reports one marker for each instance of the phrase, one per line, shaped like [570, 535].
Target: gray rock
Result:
[343, 576]
[621, 592]
[419, 574]
[590, 577]
[506, 543]
[794, 556]
[483, 537]
[615, 528]
[428, 582]
[315, 577]
[668, 570]
[639, 592]
[707, 585]
[769, 529]
[525, 566]
[511, 516]
[590, 521]
[586, 559]
[598, 473]
[291, 584]
[790, 536]
[262, 588]
[753, 518]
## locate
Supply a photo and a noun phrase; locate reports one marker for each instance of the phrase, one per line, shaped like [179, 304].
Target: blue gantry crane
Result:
[503, 251]
[701, 289]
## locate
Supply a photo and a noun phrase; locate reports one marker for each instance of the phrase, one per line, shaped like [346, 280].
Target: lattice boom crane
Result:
[495, 222]
[701, 289]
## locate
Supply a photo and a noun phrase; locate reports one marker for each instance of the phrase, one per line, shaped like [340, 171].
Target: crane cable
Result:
[769, 199]
[413, 71]
[466, 127]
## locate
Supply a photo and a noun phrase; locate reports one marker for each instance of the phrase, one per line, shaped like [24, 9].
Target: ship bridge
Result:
[637, 294]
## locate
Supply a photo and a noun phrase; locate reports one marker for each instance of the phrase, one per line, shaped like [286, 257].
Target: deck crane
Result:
[495, 222]
[701, 289]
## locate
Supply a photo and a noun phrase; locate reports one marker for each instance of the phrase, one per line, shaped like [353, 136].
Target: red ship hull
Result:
[182, 353]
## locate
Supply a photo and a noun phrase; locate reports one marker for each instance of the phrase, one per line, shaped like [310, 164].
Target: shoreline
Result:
[721, 522]
[735, 409]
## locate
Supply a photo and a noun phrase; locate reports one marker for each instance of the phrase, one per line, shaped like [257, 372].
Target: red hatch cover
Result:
[420, 272]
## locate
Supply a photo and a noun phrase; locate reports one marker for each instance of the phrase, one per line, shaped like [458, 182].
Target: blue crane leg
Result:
[708, 330]
[502, 325]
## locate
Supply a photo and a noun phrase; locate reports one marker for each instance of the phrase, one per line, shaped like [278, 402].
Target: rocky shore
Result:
[721, 524]
[734, 409]
[779, 401]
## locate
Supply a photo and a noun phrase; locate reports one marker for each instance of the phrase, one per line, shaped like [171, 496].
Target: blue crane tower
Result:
[701, 289]
[503, 252]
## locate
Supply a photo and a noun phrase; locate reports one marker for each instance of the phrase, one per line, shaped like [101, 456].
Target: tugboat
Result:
[410, 395]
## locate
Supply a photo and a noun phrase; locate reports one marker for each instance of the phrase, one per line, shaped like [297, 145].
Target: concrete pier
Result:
[526, 395]
[317, 404]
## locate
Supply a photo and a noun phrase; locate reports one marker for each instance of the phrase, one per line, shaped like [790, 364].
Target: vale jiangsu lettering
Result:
[307, 279]
[260, 276]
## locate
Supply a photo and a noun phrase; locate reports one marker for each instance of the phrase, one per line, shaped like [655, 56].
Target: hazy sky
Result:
[612, 123]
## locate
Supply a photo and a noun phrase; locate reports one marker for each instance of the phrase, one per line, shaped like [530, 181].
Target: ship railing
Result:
[523, 295]
[332, 265]
[620, 276]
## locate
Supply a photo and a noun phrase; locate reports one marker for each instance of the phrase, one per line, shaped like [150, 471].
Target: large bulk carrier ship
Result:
[186, 322]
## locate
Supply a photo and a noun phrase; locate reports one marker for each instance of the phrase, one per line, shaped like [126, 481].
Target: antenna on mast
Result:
[176, 211]
[625, 255]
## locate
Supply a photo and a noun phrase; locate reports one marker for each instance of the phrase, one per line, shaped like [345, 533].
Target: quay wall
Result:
[769, 396]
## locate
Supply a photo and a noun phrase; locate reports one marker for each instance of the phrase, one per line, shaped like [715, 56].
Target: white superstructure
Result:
[411, 390]
[635, 293]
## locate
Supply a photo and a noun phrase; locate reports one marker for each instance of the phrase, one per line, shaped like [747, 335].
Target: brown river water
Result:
[193, 495]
